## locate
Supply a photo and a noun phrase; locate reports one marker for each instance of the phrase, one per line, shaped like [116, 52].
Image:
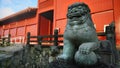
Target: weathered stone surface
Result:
[29, 57]
[62, 64]
[26, 57]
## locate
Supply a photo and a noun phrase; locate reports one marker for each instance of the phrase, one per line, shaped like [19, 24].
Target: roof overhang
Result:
[26, 13]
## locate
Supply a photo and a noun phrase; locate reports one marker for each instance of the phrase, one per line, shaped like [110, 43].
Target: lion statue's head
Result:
[77, 10]
[81, 12]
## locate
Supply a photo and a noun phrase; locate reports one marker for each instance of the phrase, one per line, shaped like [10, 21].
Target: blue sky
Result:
[8, 7]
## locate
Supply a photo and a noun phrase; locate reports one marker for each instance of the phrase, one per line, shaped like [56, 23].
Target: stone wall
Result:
[28, 57]
[18, 56]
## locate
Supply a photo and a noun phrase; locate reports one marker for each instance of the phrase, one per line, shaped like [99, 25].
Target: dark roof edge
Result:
[18, 14]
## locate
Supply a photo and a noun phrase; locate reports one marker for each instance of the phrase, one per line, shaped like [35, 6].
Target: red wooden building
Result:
[51, 14]
[19, 24]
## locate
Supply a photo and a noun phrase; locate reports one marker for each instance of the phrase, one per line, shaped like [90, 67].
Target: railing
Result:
[109, 34]
[44, 39]
[5, 40]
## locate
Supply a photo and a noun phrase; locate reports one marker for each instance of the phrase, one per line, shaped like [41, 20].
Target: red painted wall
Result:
[13, 32]
[61, 8]
[32, 29]
[6, 32]
[19, 29]
[101, 19]
[99, 5]
[1, 31]
[117, 20]
[45, 5]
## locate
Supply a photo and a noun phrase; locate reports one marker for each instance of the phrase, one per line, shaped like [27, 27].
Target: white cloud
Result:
[5, 12]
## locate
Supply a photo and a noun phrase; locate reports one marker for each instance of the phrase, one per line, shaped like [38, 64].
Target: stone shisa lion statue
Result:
[80, 38]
